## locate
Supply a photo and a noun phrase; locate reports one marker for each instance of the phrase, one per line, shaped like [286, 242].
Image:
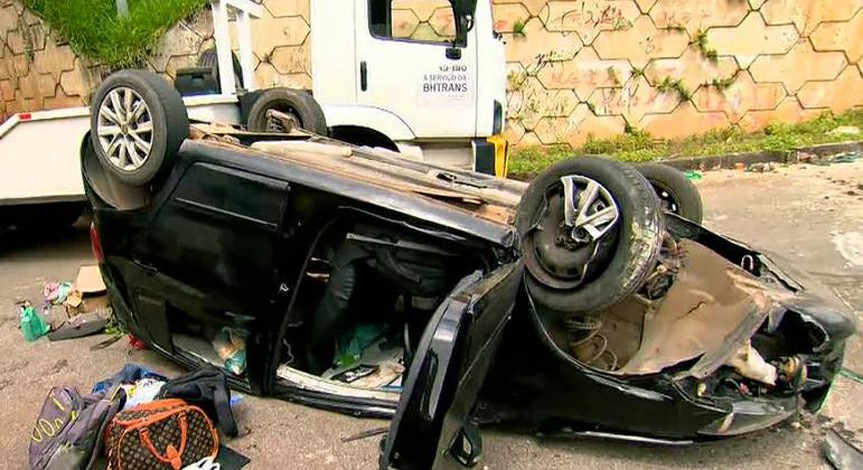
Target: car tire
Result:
[209, 58]
[676, 193]
[116, 138]
[299, 104]
[619, 262]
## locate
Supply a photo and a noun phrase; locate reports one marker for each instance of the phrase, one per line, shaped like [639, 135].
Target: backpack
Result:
[68, 432]
[207, 389]
[163, 434]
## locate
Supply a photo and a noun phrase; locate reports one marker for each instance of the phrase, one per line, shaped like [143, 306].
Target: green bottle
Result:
[31, 324]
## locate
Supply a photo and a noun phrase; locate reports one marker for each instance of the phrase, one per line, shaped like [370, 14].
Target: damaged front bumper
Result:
[817, 324]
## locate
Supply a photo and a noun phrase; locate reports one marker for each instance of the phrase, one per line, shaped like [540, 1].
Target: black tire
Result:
[167, 113]
[298, 103]
[209, 58]
[676, 193]
[621, 262]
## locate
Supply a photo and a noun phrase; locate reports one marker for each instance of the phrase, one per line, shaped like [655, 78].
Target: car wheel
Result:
[590, 230]
[303, 111]
[209, 58]
[138, 122]
[676, 193]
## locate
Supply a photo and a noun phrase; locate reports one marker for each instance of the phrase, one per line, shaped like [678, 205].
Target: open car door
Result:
[431, 428]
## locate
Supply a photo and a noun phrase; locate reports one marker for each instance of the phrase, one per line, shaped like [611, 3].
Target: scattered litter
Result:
[136, 344]
[847, 157]
[55, 293]
[740, 166]
[79, 326]
[761, 167]
[850, 247]
[693, 175]
[32, 325]
[840, 452]
[230, 344]
[846, 130]
[142, 391]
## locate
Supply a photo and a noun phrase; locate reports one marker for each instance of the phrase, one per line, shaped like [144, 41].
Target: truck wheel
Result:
[138, 122]
[676, 193]
[209, 58]
[590, 230]
[303, 110]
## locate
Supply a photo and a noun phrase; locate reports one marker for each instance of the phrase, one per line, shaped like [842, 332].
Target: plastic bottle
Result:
[32, 326]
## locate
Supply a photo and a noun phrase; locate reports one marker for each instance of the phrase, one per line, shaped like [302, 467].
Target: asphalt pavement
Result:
[811, 214]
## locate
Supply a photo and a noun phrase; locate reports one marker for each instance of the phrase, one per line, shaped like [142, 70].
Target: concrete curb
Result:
[814, 153]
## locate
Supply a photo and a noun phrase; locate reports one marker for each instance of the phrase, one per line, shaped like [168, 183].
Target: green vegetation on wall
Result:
[95, 31]
[637, 145]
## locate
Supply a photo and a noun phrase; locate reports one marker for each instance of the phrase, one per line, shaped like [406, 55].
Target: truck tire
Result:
[209, 58]
[676, 193]
[138, 123]
[585, 265]
[300, 105]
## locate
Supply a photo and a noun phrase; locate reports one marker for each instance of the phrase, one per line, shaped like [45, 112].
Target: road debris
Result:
[761, 167]
[32, 325]
[840, 452]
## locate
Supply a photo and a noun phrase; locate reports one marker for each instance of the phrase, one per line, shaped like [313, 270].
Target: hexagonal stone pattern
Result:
[845, 36]
[280, 8]
[632, 100]
[698, 15]
[691, 69]
[534, 7]
[789, 111]
[291, 59]
[589, 17]
[267, 77]
[807, 15]
[645, 5]
[742, 96]
[513, 132]
[800, 65]
[507, 15]
[404, 23]
[752, 38]
[269, 33]
[756, 4]
[584, 125]
[443, 22]
[640, 43]
[538, 45]
[684, 121]
[840, 94]
[424, 9]
[585, 73]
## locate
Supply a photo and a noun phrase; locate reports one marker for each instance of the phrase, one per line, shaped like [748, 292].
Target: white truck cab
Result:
[438, 97]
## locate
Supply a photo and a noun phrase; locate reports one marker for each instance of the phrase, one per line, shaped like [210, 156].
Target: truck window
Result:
[426, 21]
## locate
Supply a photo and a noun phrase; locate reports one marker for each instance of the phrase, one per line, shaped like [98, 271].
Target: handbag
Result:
[163, 434]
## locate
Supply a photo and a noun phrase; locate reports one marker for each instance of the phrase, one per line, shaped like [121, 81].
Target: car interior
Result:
[367, 292]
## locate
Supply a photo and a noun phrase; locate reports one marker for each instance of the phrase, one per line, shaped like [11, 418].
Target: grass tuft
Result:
[93, 29]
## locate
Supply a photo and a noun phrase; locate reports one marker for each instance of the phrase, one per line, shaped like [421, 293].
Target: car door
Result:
[431, 427]
[409, 67]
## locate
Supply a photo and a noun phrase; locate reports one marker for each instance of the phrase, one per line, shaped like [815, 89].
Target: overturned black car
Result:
[356, 280]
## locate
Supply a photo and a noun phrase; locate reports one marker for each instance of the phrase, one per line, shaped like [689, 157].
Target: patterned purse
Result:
[163, 434]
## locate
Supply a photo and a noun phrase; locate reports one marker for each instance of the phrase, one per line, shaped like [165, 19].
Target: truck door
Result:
[409, 65]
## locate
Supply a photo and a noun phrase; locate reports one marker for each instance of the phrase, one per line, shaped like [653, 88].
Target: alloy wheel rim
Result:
[125, 128]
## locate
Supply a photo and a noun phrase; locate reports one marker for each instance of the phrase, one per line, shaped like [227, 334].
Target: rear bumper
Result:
[491, 156]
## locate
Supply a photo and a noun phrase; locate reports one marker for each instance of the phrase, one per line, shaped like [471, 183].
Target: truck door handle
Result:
[364, 76]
